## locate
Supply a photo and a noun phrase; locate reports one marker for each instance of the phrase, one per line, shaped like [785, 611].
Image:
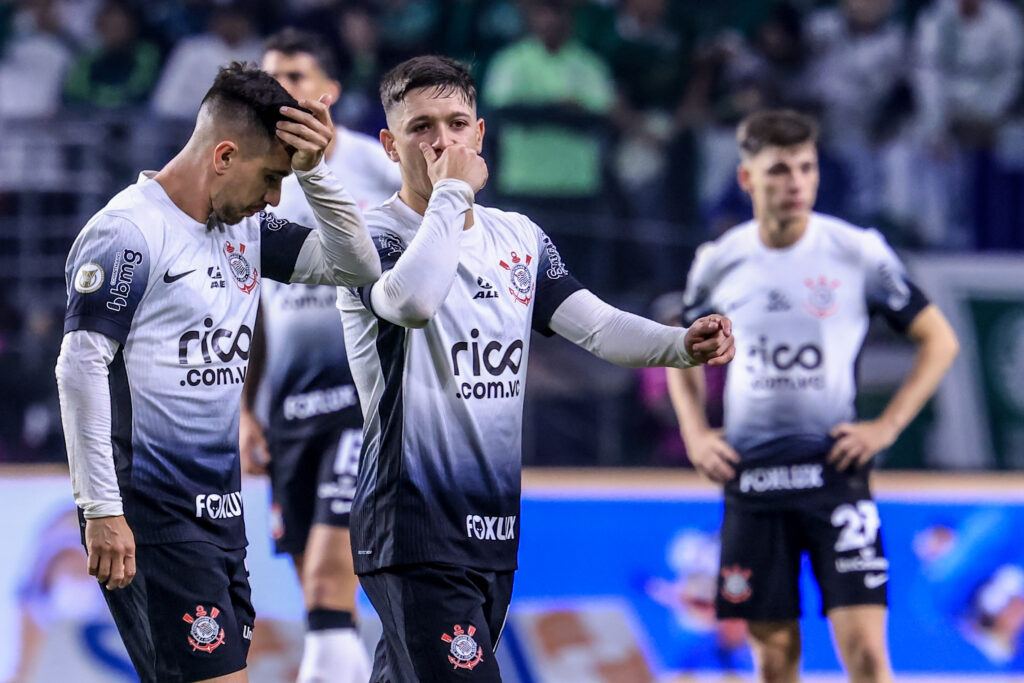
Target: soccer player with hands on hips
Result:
[439, 348]
[163, 286]
[311, 434]
[800, 288]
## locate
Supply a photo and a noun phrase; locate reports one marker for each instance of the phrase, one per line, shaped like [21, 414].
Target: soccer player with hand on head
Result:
[439, 348]
[800, 288]
[163, 286]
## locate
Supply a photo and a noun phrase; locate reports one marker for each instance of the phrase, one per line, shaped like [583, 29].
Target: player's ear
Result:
[387, 139]
[743, 176]
[224, 155]
[334, 90]
[481, 129]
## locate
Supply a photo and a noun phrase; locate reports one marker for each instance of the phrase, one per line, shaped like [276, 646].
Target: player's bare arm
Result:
[707, 449]
[937, 346]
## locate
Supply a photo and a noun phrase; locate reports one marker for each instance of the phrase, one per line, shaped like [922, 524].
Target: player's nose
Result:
[272, 197]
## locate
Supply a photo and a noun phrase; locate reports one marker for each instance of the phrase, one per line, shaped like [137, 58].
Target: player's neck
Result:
[179, 179]
[778, 234]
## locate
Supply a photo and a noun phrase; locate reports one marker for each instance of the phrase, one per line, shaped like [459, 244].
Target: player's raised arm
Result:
[417, 283]
[341, 251]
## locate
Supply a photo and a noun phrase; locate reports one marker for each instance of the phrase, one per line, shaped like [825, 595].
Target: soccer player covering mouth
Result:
[163, 285]
[314, 427]
[800, 288]
[438, 348]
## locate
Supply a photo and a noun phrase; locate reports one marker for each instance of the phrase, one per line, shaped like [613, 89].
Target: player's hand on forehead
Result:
[308, 133]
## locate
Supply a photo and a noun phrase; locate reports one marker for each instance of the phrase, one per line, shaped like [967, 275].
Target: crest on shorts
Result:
[246, 277]
[821, 299]
[520, 277]
[736, 584]
[463, 653]
[205, 634]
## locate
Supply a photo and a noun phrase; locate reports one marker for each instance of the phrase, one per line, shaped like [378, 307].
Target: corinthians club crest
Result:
[246, 277]
[205, 634]
[821, 299]
[464, 653]
[736, 584]
[521, 279]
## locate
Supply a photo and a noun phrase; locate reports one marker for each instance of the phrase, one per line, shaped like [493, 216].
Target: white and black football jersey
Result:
[439, 476]
[308, 383]
[181, 301]
[800, 315]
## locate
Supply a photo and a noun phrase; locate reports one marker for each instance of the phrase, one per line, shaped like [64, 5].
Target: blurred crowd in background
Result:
[610, 122]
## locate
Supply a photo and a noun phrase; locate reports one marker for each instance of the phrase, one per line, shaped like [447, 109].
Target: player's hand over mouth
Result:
[712, 456]
[709, 340]
[308, 133]
[858, 442]
[457, 161]
[111, 547]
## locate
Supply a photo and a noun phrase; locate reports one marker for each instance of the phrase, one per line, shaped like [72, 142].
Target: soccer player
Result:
[314, 426]
[438, 349]
[163, 286]
[800, 288]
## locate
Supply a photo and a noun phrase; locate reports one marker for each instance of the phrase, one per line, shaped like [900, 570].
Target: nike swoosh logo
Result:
[168, 278]
[875, 580]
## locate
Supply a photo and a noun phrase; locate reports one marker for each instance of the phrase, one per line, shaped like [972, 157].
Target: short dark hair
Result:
[291, 41]
[445, 75]
[775, 128]
[243, 93]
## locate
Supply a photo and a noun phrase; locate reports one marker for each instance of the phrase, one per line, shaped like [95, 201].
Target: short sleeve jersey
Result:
[180, 300]
[800, 315]
[439, 477]
[308, 382]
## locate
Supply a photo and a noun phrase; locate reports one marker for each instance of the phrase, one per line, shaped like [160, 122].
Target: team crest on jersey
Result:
[89, 277]
[821, 299]
[736, 584]
[205, 634]
[245, 275]
[464, 652]
[520, 277]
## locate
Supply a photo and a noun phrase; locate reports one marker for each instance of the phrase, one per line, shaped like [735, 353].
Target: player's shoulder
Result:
[127, 210]
[506, 220]
[849, 239]
[736, 242]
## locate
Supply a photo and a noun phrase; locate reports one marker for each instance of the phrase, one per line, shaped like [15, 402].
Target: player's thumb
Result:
[428, 152]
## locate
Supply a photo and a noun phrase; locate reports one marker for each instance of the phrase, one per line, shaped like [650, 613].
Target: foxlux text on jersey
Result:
[491, 528]
[219, 506]
[495, 358]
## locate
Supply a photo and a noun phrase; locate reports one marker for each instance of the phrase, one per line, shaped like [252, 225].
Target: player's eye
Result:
[419, 128]
[459, 124]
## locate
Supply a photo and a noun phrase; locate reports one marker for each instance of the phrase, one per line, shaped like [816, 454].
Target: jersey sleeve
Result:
[699, 286]
[280, 244]
[107, 272]
[554, 285]
[888, 290]
[389, 247]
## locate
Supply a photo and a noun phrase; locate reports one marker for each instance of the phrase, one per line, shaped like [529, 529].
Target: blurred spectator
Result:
[193, 64]
[360, 68]
[409, 27]
[732, 78]
[555, 78]
[649, 58]
[857, 72]
[35, 58]
[474, 31]
[119, 72]
[968, 66]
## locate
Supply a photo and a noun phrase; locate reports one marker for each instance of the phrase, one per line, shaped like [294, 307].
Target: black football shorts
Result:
[775, 514]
